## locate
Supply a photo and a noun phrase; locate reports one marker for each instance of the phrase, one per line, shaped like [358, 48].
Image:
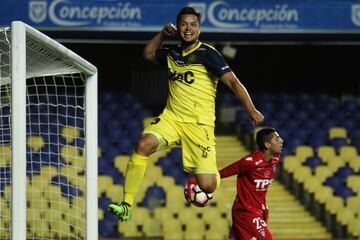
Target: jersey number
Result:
[259, 223]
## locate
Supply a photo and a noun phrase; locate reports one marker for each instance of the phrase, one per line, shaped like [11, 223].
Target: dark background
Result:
[332, 68]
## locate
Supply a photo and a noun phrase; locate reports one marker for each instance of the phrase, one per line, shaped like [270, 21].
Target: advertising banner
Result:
[217, 16]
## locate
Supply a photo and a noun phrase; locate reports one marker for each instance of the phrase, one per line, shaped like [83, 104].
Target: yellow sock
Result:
[135, 172]
[217, 179]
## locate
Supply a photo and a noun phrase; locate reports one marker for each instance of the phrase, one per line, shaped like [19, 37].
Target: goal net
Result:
[48, 138]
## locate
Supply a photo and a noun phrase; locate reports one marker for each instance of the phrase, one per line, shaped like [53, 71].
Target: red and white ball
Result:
[194, 195]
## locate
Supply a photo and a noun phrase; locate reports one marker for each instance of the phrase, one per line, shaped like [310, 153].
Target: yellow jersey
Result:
[193, 78]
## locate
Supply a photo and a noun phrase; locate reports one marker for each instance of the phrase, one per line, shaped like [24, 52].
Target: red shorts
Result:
[249, 226]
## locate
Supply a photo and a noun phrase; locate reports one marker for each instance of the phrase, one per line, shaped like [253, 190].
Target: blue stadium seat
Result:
[103, 202]
[313, 162]
[108, 229]
[337, 143]
[343, 172]
[334, 182]
[344, 192]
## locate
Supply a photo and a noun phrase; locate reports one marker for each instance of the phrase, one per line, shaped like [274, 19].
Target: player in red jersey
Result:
[254, 175]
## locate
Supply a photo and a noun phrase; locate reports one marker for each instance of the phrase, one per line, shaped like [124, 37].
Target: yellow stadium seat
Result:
[322, 172]
[5, 155]
[187, 214]
[337, 132]
[311, 183]
[353, 182]
[291, 163]
[344, 215]
[353, 227]
[35, 142]
[172, 229]
[165, 182]
[354, 163]
[153, 228]
[121, 162]
[303, 152]
[325, 152]
[100, 214]
[70, 133]
[60, 230]
[347, 152]
[52, 215]
[301, 173]
[115, 192]
[152, 174]
[353, 203]
[322, 193]
[333, 204]
[195, 229]
[70, 153]
[218, 229]
[210, 214]
[78, 203]
[47, 172]
[334, 163]
[52, 192]
[104, 181]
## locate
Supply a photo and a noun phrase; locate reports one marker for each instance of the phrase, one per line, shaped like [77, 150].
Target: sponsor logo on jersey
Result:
[258, 162]
[191, 59]
[205, 150]
[262, 184]
[248, 159]
[187, 77]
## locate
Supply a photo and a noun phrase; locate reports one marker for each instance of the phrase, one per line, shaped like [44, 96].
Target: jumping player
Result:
[194, 69]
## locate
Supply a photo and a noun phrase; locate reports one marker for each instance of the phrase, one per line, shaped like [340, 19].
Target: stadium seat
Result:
[104, 181]
[353, 203]
[291, 163]
[69, 133]
[325, 152]
[35, 142]
[335, 162]
[344, 216]
[195, 229]
[115, 192]
[322, 193]
[353, 227]
[303, 152]
[311, 183]
[313, 162]
[344, 192]
[172, 229]
[347, 152]
[333, 204]
[5, 155]
[334, 182]
[152, 228]
[165, 182]
[354, 163]
[337, 143]
[353, 182]
[344, 172]
[301, 173]
[337, 132]
[120, 163]
[323, 172]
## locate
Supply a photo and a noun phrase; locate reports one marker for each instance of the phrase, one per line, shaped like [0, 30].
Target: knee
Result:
[206, 183]
[146, 145]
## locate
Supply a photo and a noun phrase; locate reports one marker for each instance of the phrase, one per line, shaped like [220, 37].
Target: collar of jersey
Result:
[192, 50]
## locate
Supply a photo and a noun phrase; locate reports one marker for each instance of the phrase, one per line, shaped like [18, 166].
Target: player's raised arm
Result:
[156, 42]
[241, 93]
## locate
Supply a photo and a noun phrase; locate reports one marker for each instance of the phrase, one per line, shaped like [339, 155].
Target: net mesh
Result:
[55, 97]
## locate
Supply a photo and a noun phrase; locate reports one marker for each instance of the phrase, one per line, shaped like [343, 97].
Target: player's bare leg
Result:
[207, 182]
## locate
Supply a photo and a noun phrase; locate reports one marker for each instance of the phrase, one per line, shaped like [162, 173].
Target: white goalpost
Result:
[48, 139]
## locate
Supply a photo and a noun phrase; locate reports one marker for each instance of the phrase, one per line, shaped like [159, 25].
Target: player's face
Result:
[276, 143]
[188, 29]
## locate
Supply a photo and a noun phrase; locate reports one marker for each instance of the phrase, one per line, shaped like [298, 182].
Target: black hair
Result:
[187, 10]
[264, 135]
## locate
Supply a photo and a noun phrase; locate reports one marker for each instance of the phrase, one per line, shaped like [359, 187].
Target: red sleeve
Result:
[235, 168]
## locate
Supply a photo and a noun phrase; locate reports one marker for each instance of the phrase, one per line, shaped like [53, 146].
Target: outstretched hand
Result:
[256, 117]
[169, 30]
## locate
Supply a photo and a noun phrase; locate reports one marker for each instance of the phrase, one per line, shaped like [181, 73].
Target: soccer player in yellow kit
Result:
[194, 69]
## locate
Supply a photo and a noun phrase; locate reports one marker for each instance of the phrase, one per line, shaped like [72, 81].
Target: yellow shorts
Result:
[197, 142]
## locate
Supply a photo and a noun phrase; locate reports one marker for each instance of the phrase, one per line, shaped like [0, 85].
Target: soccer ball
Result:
[194, 195]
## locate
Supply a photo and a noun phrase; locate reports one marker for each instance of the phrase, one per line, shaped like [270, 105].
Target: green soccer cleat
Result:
[122, 210]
